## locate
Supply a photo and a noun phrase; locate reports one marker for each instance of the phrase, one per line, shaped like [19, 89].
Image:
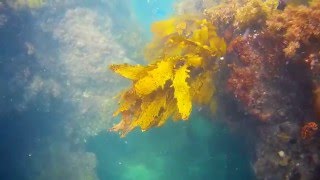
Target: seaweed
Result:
[299, 27]
[309, 130]
[271, 71]
[257, 76]
[181, 72]
[236, 16]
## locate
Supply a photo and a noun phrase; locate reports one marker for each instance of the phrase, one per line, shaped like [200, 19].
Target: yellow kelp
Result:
[182, 91]
[183, 62]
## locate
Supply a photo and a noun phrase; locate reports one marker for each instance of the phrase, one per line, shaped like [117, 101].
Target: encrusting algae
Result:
[239, 15]
[298, 26]
[183, 64]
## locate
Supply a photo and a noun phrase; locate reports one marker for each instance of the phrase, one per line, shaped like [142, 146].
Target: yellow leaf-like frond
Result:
[202, 89]
[123, 127]
[128, 71]
[201, 35]
[150, 109]
[181, 92]
[155, 78]
[193, 60]
[164, 28]
[169, 108]
[183, 56]
[127, 100]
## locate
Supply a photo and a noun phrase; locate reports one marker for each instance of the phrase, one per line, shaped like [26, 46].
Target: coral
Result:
[309, 130]
[299, 27]
[182, 56]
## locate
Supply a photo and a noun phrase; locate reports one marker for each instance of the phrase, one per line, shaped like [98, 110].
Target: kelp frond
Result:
[182, 56]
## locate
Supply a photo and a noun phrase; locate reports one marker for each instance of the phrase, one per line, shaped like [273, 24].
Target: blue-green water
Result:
[57, 100]
[197, 149]
[151, 11]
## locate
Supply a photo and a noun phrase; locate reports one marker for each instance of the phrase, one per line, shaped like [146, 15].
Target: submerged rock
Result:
[296, 159]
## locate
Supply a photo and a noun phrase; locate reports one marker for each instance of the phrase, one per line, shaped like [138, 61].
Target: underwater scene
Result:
[159, 89]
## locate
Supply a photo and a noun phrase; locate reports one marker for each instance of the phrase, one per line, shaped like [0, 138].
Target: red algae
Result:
[309, 130]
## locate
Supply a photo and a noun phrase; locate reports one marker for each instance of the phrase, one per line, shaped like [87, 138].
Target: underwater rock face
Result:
[299, 27]
[260, 79]
[300, 159]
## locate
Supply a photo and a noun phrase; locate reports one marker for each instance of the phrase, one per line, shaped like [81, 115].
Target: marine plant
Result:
[256, 73]
[254, 12]
[309, 130]
[239, 15]
[182, 58]
[298, 26]
[259, 61]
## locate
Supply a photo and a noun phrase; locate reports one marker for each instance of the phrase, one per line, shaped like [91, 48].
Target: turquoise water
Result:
[148, 11]
[197, 149]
